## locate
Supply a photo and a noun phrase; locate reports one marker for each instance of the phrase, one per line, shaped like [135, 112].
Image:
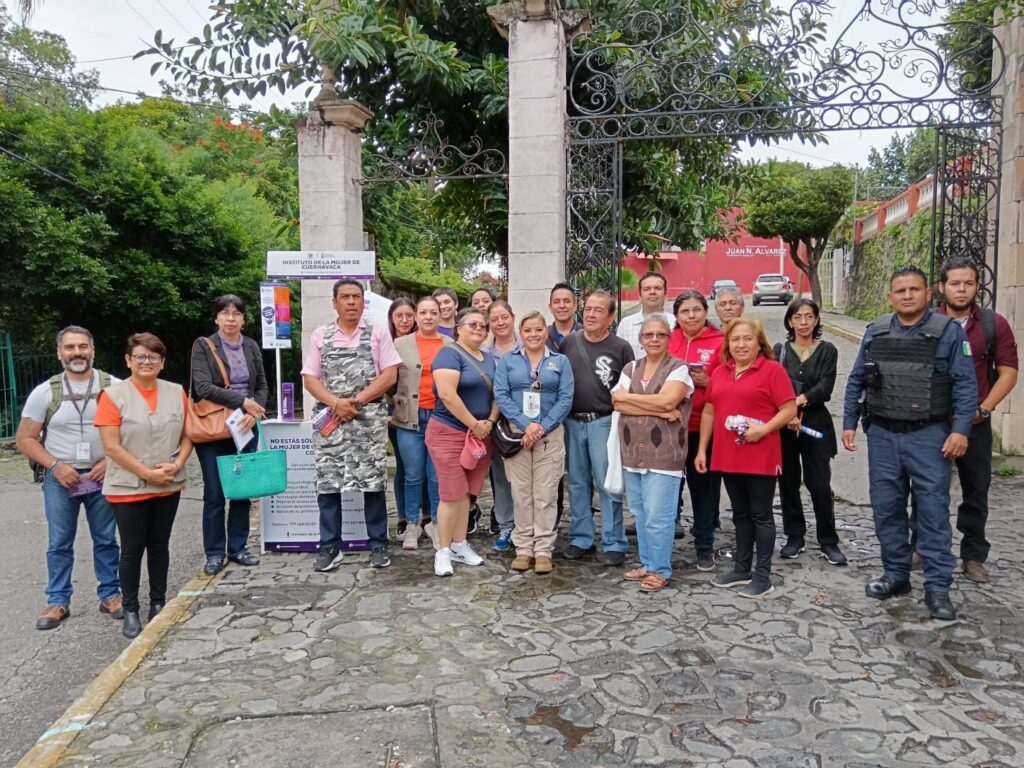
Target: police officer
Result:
[913, 372]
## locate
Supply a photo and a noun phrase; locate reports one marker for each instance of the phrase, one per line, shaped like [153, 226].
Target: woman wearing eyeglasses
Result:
[227, 369]
[141, 422]
[650, 399]
[463, 383]
[533, 388]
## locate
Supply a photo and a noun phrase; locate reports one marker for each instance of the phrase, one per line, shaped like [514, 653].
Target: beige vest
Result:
[406, 397]
[152, 438]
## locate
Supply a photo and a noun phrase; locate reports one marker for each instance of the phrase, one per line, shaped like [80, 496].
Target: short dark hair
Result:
[689, 293]
[957, 262]
[228, 300]
[74, 329]
[905, 271]
[485, 289]
[500, 304]
[608, 296]
[347, 281]
[147, 341]
[563, 286]
[651, 273]
[460, 318]
[795, 307]
[401, 301]
[447, 292]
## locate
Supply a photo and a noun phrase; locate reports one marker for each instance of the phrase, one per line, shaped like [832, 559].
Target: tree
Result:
[405, 59]
[802, 205]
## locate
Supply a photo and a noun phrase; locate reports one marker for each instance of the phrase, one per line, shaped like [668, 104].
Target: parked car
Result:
[772, 287]
[718, 285]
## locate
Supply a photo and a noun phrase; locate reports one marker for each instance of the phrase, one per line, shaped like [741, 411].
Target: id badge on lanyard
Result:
[531, 404]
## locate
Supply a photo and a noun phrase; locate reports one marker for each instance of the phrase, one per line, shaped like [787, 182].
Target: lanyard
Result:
[74, 402]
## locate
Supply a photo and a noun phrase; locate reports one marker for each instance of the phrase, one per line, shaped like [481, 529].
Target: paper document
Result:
[234, 424]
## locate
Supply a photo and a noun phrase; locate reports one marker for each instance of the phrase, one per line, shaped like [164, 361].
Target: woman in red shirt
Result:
[699, 344]
[749, 383]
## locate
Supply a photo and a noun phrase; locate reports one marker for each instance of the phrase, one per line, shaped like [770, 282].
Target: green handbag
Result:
[251, 475]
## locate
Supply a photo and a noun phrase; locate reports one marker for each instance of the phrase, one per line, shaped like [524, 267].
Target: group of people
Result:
[668, 400]
[118, 448]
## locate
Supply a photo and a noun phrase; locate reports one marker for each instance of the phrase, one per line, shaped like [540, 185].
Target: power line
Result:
[196, 12]
[45, 170]
[137, 13]
[171, 14]
[133, 55]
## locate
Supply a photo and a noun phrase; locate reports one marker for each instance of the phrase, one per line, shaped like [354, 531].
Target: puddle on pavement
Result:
[541, 586]
[693, 657]
[938, 674]
[552, 718]
[958, 664]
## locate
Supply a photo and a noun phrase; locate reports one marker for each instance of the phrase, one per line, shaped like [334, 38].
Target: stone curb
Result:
[49, 749]
[849, 335]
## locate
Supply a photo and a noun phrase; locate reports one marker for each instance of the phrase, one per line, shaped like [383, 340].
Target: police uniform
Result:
[917, 385]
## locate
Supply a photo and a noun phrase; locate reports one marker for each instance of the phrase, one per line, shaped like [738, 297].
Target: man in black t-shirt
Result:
[597, 360]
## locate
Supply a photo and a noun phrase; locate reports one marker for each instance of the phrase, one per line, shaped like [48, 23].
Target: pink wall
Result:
[742, 260]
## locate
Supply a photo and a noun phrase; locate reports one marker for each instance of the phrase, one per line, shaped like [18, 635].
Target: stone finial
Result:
[347, 113]
[503, 14]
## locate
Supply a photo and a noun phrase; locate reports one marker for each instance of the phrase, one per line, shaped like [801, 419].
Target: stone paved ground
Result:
[283, 666]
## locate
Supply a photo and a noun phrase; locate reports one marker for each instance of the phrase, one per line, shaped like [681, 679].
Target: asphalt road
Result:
[42, 673]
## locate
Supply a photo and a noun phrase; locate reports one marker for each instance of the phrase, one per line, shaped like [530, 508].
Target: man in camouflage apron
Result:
[351, 365]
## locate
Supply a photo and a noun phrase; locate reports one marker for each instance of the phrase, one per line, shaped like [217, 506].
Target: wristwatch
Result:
[985, 413]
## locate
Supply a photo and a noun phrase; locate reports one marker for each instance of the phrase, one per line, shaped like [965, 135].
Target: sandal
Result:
[637, 574]
[653, 583]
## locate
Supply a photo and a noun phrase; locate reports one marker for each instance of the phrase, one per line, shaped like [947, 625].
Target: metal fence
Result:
[19, 374]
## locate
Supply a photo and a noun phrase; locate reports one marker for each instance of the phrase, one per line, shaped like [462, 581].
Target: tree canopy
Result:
[802, 205]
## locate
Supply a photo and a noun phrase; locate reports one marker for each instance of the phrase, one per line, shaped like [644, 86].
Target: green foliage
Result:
[802, 205]
[32, 62]
[417, 276]
[878, 257]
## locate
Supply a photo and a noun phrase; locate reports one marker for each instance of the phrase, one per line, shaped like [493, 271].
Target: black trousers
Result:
[751, 497]
[813, 456]
[145, 527]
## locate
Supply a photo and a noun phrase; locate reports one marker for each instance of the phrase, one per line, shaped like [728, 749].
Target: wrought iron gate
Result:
[685, 74]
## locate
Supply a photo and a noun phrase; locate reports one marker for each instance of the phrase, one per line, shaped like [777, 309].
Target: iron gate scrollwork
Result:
[686, 74]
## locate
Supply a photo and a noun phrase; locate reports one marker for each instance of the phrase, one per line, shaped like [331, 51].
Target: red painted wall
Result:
[742, 261]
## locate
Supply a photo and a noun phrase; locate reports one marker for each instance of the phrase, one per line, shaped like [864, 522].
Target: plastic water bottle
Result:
[287, 401]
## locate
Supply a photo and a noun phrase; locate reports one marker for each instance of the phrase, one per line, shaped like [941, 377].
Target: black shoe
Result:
[939, 606]
[154, 609]
[572, 552]
[494, 528]
[213, 566]
[400, 529]
[883, 588]
[328, 559]
[832, 554]
[380, 558]
[794, 546]
[474, 519]
[613, 558]
[131, 625]
[630, 529]
[246, 558]
[706, 561]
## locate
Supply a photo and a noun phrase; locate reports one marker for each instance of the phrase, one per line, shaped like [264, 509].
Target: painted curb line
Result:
[49, 749]
[849, 335]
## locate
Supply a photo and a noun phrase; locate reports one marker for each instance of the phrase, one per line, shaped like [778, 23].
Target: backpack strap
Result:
[988, 325]
[56, 399]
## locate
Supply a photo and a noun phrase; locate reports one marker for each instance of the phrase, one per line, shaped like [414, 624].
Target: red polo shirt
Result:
[706, 348]
[757, 393]
[1005, 347]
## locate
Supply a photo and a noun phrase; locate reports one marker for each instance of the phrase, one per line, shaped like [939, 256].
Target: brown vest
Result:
[651, 442]
[151, 437]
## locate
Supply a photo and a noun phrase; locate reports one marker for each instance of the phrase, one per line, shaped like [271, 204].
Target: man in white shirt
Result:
[653, 290]
[57, 433]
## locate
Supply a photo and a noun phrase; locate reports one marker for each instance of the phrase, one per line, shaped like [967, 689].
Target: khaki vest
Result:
[406, 395]
[152, 438]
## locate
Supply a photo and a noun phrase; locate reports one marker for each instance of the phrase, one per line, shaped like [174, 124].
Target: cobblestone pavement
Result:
[283, 666]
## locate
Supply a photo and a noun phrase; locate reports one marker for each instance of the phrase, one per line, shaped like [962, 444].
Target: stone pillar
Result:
[536, 31]
[1008, 420]
[330, 202]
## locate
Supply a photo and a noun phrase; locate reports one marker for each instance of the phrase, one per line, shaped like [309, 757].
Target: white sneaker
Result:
[412, 537]
[435, 538]
[443, 562]
[463, 553]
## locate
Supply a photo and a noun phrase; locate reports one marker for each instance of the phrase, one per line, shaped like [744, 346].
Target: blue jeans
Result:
[504, 508]
[653, 500]
[588, 463]
[62, 526]
[419, 471]
[911, 463]
[213, 502]
[399, 484]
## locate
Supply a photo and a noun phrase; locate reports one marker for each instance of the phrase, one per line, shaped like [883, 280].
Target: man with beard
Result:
[57, 434]
[994, 354]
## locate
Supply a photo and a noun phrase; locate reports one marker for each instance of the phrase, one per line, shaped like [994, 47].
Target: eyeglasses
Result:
[535, 375]
[230, 315]
[147, 358]
[476, 326]
[651, 335]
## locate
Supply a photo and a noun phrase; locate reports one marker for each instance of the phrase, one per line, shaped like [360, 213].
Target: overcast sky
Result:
[105, 34]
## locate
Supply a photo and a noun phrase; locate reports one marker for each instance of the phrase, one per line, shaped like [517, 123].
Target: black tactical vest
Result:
[911, 389]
